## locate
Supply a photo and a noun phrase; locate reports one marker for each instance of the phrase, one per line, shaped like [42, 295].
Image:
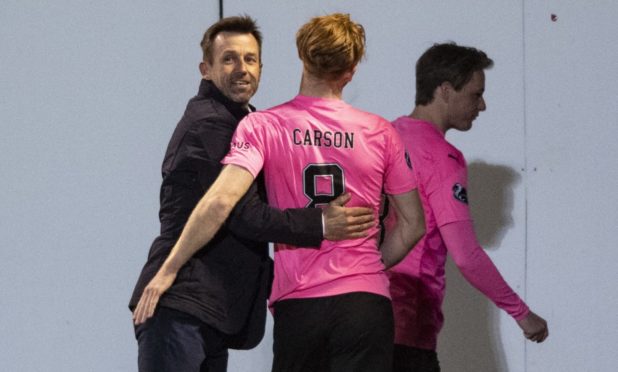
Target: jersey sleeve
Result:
[446, 182]
[399, 177]
[478, 269]
[248, 144]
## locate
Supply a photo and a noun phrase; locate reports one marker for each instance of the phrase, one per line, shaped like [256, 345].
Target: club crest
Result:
[460, 193]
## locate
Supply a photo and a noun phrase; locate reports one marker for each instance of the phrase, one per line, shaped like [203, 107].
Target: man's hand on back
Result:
[341, 223]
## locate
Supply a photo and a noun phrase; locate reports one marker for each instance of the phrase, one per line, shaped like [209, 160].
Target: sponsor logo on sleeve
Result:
[459, 192]
[240, 145]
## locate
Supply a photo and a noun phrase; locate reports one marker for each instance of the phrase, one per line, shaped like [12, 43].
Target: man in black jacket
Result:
[218, 300]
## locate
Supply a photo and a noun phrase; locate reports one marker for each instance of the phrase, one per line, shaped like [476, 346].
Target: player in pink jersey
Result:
[450, 82]
[331, 303]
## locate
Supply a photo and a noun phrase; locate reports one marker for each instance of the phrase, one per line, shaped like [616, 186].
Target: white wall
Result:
[90, 93]
[572, 128]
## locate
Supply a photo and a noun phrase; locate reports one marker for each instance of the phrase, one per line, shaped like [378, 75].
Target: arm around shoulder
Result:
[254, 219]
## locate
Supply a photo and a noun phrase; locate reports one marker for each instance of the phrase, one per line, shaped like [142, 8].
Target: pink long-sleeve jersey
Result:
[418, 282]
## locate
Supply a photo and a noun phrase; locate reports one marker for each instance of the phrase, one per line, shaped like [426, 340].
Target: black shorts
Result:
[344, 333]
[410, 359]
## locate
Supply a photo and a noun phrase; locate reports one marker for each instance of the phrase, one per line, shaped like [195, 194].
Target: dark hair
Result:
[447, 62]
[241, 24]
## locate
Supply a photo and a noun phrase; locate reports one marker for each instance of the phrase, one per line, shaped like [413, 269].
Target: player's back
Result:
[312, 150]
[332, 147]
[318, 149]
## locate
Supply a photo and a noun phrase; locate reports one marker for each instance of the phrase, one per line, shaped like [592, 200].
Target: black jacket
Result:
[227, 282]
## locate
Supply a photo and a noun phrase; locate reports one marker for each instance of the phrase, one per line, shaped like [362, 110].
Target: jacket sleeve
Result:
[254, 219]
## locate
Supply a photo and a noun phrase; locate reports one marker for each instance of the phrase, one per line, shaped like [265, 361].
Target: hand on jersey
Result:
[342, 223]
[534, 327]
[150, 297]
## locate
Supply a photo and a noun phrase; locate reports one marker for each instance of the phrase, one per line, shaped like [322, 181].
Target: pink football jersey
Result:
[418, 282]
[312, 150]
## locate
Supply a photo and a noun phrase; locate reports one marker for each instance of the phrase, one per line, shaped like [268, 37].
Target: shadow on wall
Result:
[490, 188]
[469, 341]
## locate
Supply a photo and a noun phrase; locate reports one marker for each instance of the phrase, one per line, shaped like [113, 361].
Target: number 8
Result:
[337, 183]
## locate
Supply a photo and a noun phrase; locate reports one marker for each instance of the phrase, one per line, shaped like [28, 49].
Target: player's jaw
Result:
[240, 88]
[467, 123]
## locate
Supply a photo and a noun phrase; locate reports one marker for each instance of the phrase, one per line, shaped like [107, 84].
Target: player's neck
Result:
[313, 86]
[430, 113]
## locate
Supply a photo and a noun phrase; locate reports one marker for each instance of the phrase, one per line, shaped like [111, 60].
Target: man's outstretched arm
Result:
[203, 224]
[254, 219]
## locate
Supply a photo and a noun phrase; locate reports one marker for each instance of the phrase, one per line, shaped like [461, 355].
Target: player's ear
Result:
[348, 75]
[204, 70]
[443, 91]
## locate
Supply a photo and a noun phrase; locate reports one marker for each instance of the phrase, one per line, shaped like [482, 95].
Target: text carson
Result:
[326, 139]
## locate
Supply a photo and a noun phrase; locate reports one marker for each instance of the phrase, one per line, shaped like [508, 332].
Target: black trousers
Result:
[410, 359]
[172, 341]
[352, 332]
